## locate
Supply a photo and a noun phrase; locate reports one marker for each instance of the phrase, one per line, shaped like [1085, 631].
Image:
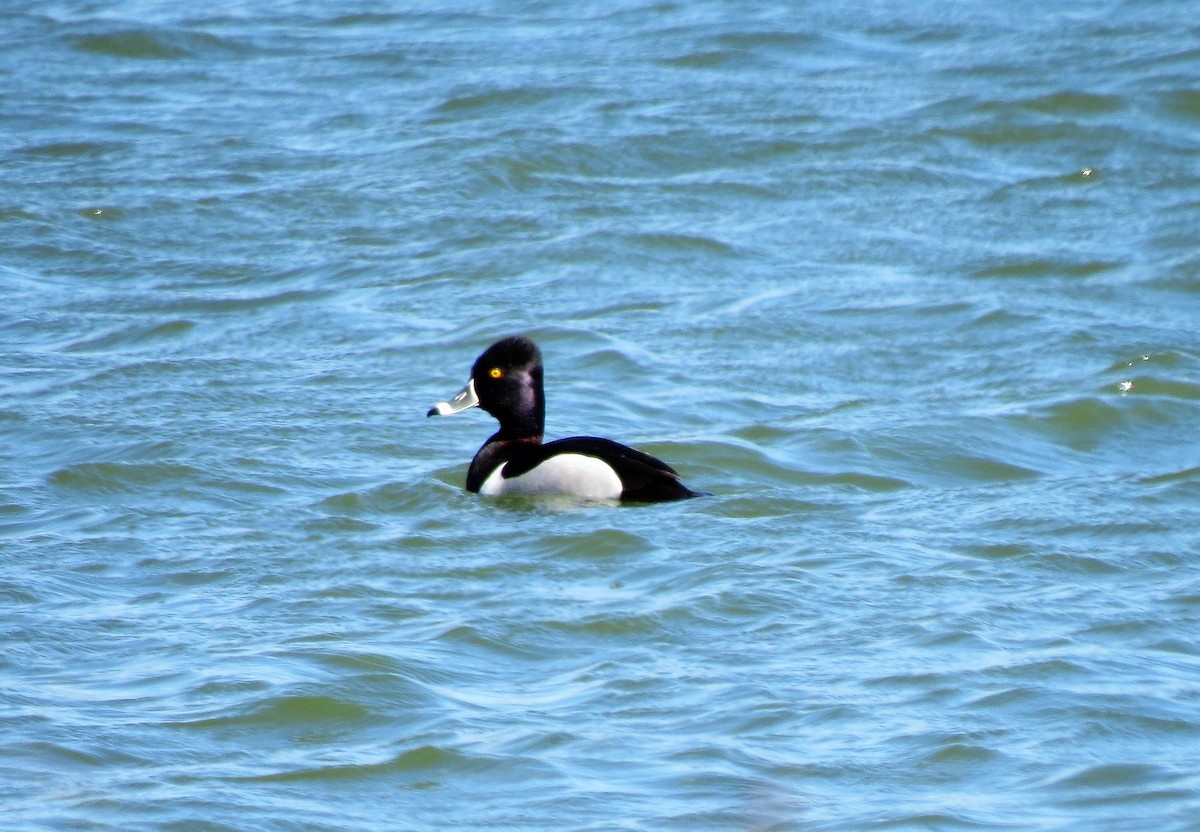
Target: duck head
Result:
[506, 381]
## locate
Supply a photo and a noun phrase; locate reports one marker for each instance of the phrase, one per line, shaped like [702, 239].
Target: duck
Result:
[506, 381]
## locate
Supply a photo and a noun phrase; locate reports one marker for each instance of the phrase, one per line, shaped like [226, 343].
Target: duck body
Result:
[506, 381]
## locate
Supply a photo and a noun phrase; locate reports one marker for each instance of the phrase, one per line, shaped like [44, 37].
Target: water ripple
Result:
[910, 290]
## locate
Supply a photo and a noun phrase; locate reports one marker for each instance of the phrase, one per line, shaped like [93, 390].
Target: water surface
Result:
[913, 290]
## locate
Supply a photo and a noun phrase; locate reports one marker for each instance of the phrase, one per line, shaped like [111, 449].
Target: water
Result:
[912, 289]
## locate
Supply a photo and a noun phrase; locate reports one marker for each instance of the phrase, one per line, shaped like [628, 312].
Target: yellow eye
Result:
[495, 372]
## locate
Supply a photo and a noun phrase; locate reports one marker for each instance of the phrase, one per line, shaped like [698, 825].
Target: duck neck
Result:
[521, 430]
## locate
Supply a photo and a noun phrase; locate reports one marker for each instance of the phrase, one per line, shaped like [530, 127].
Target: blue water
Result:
[913, 289]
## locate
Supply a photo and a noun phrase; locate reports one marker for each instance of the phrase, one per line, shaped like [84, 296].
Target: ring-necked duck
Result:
[506, 381]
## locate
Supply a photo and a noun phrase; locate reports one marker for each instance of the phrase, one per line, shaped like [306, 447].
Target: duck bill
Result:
[465, 399]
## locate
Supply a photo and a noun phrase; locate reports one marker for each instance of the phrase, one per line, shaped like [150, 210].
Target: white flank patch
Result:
[574, 474]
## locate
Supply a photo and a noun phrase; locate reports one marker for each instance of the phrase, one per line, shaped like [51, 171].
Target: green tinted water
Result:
[912, 291]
